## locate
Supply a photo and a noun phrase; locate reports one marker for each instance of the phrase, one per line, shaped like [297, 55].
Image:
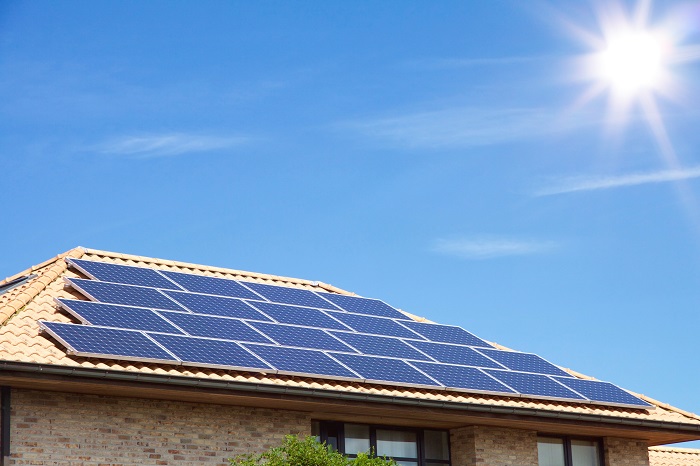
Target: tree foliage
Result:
[307, 452]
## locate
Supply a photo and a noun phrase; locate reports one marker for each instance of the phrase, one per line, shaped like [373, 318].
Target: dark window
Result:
[409, 447]
[565, 451]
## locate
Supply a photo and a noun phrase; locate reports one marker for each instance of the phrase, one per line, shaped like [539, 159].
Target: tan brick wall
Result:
[73, 429]
[625, 452]
[490, 446]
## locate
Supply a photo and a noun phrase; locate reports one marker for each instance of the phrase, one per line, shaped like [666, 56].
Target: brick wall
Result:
[73, 429]
[491, 446]
[625, 452]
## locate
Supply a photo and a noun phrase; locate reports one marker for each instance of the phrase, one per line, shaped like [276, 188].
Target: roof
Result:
[666, 456]
[24, 350]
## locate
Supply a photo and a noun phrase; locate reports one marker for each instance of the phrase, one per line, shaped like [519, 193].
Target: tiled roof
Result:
[21, 341]
[666, 456]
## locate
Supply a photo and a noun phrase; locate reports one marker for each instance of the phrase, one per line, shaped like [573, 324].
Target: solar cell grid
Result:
[290, 335]
[461, 377]
[113, 293]
[380, 346]
[300, 361]
[216, 305]
[296, 315]
[602, 391]
[111, 315]
[107, 342]
[214, 327]
[373, 325]
[367, 306]
[125, 274]
[286, 295]
[206, 352]
[454, 354]
[384, 369]
[534, 384]
[524, 362]
[211, 285]
[446, 334]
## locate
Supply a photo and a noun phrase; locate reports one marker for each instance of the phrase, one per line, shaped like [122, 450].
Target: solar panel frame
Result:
[285, 363]
[369, 368]
[523, 362]
[591, 389]
[372, 325]
[98, 314]
[216, 328]
[364, 306]
[130, 275]
[305, 316]
[60, 330]
[376, 345]
[221, 306]
[521, 381]
[455, 354]
[216, 286]
[440, 333]
[286, 335]
[447, 374]
[287, 295]
[83, 286]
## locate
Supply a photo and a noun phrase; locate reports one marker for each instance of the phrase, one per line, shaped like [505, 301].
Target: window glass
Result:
[550, 451]
[356, 438]
[316, 430]
[397, 443]
[436, 445]
[584, 453]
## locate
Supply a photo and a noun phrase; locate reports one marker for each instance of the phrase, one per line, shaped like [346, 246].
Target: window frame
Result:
[338, 427]
[568, 458]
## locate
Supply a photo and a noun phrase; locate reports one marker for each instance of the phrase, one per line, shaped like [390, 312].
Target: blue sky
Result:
[440, 156]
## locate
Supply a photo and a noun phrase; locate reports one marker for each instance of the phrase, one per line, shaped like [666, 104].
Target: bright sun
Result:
[632, 62]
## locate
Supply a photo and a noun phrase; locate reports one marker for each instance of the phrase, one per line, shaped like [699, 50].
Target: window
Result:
[564, 451]
[409, 447]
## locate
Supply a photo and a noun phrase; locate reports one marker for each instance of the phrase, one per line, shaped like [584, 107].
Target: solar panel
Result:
[296, 315]
[461, 377]
[446, 334]
[602, 391]
[384, 369]
[206, 352]
[358, 305]
[300, 361]
[380, 346]
[125, 274]
[216, 305]
[211, 285]
[534, 384]
[286, 295]
[87, 340]
[113, 293]
[454, 354]
[111, 315]
[291, 335]
[524, 362]
[214, 327]
[373, 325]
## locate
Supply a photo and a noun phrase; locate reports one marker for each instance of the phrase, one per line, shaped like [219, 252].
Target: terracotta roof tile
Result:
[668, 456]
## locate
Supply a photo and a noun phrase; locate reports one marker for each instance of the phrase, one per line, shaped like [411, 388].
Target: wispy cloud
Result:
[594, 183]
[464, 126]
[161, 145]
[489, 247]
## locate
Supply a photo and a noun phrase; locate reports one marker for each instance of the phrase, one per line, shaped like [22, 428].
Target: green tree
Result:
[307, 452]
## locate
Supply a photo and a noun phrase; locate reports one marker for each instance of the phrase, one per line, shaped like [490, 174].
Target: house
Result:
[82, 384]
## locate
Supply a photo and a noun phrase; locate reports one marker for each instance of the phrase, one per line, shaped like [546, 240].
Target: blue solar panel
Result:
[291, 335]
[384, 369]
[446, 334]
[124, 294]
[533, 384]
[602, 391]
[125, 274]
[111, 315]
[380, 346]
[368, 306]
[461, 377]
[216, 305]
[87, 340]
[203, 351]
[300, 361]
[285, 295]
[454, 354]
[373, 325]
[214, 327]
[524, 362]
[211, 285]
[299, 316]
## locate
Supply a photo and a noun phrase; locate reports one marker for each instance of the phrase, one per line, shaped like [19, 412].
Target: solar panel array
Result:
[145, 314]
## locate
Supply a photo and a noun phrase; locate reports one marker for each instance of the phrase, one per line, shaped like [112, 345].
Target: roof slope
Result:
[22, 342]
[666, 456]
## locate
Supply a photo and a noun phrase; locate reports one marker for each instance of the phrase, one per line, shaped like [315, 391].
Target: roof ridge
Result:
[47, 272]
[155, 260]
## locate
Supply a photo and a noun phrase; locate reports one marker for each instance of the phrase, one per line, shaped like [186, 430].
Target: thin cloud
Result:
[477, 248]
[162, 145]
[464, 127]
[595, 183]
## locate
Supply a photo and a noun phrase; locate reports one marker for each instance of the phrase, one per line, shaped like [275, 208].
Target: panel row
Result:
[130, 344]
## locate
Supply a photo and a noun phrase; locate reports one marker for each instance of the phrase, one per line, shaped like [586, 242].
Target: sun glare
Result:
[632, 62]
